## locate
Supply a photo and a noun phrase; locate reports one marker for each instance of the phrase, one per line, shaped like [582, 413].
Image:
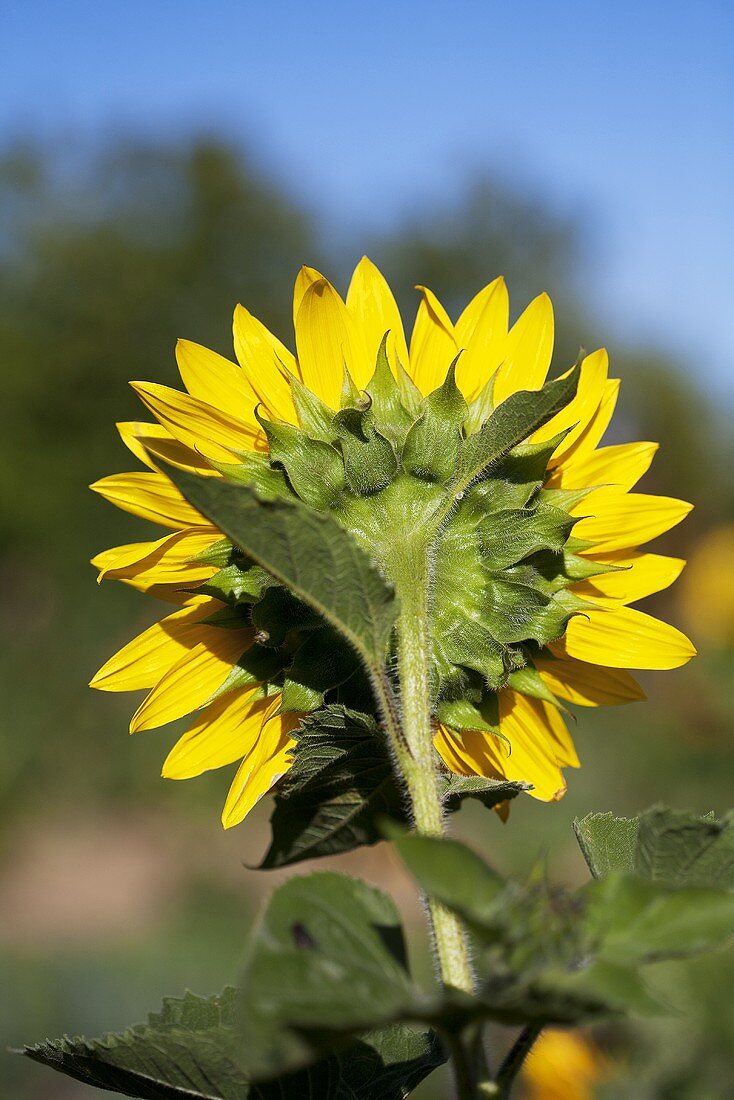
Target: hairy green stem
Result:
[419, 762]
[411, 733]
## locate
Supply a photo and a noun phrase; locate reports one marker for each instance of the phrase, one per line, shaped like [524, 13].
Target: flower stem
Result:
[513, 1063]
[418, 763]
[410, 730]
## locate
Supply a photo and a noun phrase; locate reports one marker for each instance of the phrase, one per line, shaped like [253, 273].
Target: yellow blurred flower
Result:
[563, 1065]
[707, 594]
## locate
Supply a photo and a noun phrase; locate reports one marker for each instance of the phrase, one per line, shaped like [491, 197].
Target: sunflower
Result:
[534, 576]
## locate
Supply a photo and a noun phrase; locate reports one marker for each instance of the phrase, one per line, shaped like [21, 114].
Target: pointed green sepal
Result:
[389, 415]
[432, 445]
[528, 681]
[460, 714]
[369, 459]
[314, 415]
[508, 537]
[315, 469]
[255, 470]
[234, 585]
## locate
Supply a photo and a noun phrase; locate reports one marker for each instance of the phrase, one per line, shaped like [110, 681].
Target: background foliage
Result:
[127, 888]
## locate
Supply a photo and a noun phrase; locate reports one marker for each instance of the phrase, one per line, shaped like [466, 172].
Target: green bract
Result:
[422, 486]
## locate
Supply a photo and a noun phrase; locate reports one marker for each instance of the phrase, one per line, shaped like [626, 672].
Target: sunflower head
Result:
[458, 472]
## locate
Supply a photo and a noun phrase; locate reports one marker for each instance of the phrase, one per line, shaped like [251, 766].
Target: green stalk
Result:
[411, 730]
[421, 775]
[515, 1059]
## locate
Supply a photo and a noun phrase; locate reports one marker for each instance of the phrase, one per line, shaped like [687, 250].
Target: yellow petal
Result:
[447, 744]
[535, 722]
[640, 575]
[433, 345]
[496, 292]
[265, 362]
[594, 430]
[192, 681]
[618, 520]
[268, 761]
[223, 732]
[149, 441]
[213, 432]
[305, 278]
[141, 663]
[587, 685]
[626, 638]
[539, 740]
[620, 466]
[483, 335]
[375, 311]
[215, 380]
[580, 411]
[528, 351]
[327, 339]
[169, 560]
[150, 496]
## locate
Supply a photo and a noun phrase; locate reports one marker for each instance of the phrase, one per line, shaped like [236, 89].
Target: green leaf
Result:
[192, 1051]
[314, 416]
[189, 1049]
[299, 697]
[341, 788]
[340, 785]
[432, 445]
[516, 477]
[469, 644]
[662, 845]
[490, 792]
[510, 424]
[326, 961]
[529, 681]
[608, 843]
[678, 847]
[307, 552]
[460, 714]
[453, 874]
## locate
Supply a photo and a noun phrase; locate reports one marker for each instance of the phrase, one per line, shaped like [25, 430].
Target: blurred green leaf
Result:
[553, 956]
[326, 961]
[662, 845]
[632, 921]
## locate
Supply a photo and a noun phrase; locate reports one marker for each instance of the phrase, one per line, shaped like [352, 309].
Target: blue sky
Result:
[620, 112]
